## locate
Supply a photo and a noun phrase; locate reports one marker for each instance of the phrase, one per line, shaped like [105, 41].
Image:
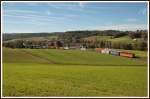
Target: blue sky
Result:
[29, 17]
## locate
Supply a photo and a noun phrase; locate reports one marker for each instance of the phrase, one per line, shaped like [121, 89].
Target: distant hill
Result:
[129, 40]
[75, 34]
[62, 35]
[10, 36]
[123, 39]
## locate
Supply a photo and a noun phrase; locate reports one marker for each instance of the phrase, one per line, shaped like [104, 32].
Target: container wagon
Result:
[98, 50]
[105, 51]
[116, 53]
[127, 54]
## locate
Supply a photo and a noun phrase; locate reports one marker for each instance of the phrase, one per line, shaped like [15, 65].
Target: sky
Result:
[33, 17]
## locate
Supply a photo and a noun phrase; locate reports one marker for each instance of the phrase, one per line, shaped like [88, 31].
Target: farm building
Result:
[50, 44]
[74, 45]
[44, 46]
[32, 46]
[127, 54]
[54, 44]
[106, 51]
[98, 50]
[83, 49]
[66, 48]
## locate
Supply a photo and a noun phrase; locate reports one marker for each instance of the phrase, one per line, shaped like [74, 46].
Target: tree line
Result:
[116, 45]
[31, 44]
[76, 37]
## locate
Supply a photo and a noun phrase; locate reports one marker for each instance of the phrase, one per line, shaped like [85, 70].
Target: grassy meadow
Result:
[53, 72]
[123, 39]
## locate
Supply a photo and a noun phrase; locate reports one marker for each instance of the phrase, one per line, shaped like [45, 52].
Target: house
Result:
[74, 46]
[66, 48]
[83, 49]
[50, 44]
[54, 44]
[44, 46]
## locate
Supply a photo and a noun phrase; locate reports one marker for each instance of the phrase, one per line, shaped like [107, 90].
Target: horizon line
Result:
[71, 31]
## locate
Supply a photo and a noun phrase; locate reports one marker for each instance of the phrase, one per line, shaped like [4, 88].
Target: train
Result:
[98, 50]
[114, 52]
[127, 54]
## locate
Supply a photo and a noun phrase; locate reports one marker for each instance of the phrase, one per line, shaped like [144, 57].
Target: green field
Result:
[93, 38]
[51, 72]
[124, 39]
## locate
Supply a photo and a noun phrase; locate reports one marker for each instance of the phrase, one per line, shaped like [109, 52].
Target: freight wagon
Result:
[116, 53]
[98, 50]
[105, 51]
[127, 54]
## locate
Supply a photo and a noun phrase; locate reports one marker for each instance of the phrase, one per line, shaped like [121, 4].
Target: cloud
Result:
[71, 15]
[123, 27]
[26, 13]
[143, 11]
[48, 13]
[81, 4]
[18, 16]
[75, 7]
[32, 3]
[132, 20]
[36, 17]
[29, 14]
[20, 12]
[9, 4]
[33, 22]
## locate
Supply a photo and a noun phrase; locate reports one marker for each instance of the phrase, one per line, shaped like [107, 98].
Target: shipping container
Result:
[127, 54]
[105, 51]
[113, 52]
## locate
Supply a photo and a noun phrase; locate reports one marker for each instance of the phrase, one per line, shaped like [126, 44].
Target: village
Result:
[63, 46]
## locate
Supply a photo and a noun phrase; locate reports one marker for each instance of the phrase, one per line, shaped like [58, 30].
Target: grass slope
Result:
[124, 39]
[37, 38]
[61, 80]
[50, 72]
[93, 38]
[74, 57]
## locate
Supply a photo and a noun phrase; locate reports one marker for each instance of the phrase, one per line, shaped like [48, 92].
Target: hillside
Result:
[52, 72]
[123, 39]
[35, 38]
[67, 34]
[74, 57]
[12, 36]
